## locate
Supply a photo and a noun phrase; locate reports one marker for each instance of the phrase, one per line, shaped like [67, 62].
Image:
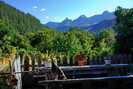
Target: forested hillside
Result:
[20, 21]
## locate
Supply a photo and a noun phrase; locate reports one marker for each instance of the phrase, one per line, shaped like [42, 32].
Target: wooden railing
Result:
[30, 64]
[115, 82]
[94, 60]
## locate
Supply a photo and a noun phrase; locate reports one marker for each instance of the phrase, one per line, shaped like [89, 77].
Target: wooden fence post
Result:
[101, 59]
[118, 59]
[98, 59]
[22, 60]
[58, 61]
[65, 61]
[39, 61]
[93, 60]
[125, 57]
[33, 62]
[26, 63]
[61, 61]
[96, 62]
[17, 67]
[68, 60]
[90, 60]
[122, 59]
[130, 59]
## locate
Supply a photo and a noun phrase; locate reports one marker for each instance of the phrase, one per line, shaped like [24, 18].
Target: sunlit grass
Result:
[4, 68]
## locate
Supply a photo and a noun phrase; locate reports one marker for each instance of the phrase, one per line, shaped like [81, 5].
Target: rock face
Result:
[93, 23]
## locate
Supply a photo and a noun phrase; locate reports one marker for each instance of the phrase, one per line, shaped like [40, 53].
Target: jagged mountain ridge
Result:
[92, 23]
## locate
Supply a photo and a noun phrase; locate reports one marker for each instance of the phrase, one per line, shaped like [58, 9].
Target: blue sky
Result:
[57, 10]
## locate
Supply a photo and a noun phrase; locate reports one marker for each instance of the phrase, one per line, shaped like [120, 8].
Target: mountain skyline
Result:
[82, 16]
[58, 10]
[93, 23]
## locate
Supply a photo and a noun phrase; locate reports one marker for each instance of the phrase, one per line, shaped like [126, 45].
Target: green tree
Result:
[104, 44]
[124, 29]
[43, 40]
[86, 39]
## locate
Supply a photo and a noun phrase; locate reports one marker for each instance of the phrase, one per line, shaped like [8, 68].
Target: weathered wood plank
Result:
[91, 67]
[85, 79]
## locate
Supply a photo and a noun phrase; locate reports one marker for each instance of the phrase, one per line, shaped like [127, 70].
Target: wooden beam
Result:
[85, 79]
[88, 67]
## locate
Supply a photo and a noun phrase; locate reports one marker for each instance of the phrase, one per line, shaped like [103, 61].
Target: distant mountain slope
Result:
[53, 25]
[96, 22]
[102, 25]
[20, 21]
[94, 19]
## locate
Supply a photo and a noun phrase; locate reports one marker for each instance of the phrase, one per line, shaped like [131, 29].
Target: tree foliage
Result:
[124, 29]
[20, 21]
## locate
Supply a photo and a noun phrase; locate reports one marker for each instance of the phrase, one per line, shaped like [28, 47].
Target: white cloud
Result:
[43, 9]
[35, 7]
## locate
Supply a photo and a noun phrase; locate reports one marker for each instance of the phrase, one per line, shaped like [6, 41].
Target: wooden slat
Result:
[68, 68]
[85, 79]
